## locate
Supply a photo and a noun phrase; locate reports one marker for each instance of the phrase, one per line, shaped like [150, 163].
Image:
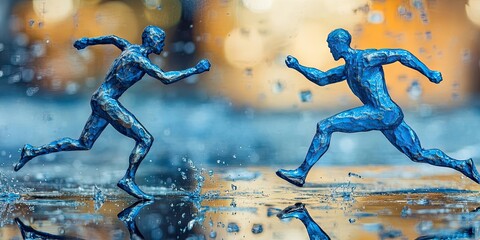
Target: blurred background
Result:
[249, 109]
[247, 42]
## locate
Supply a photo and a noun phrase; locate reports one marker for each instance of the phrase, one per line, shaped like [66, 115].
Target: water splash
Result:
[98, 197]
[306, 96]
[8, 198]
[257, 228]
[233, 227]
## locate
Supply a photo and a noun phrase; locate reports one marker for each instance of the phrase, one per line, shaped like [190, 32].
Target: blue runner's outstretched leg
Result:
[93, 128]
[126, 123]
[359, 119]
[405, 140]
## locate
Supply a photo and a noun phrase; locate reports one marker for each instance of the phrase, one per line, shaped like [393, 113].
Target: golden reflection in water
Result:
[344, 207]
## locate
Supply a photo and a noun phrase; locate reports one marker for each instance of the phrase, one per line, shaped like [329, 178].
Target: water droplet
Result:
[351, 174]
[375, 17]
[428, 35]
[98, 197]
[424, 226]
[27, 74]
[233, 227]
[414, 90]
[257, 228]
[72, 88]
[38, 49]
[14, 78]
[306, 96]
[190, 224]
[273, 211]
[248, 72]
[213, 234]
[189, 48]
[21, 40]
[218, 161]
[31, 91]
[210, 173]
[31, 22]
[277, 87]
[234, 187]
[466, 55]
[404, 13]
[352, 220]
[406, 211]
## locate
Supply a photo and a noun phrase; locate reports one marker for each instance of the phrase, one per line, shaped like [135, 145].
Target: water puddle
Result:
[250, 203]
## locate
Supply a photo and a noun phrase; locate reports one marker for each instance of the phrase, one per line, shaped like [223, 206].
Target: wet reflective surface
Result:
[404, 202]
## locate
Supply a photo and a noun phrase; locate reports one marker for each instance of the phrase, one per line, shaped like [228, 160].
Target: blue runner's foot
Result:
[129, 214]
[129, 186]
[470, 171]
[26, 155]
[291, 176]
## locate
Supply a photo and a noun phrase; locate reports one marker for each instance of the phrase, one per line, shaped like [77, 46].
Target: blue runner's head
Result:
[339, 42]
[153, 38]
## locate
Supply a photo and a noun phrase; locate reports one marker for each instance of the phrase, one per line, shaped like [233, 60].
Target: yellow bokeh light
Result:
[310, 45]
[117, 18]
[163, 13]
[53, 10]
[258, 6]
[473, 11]
[244, 47]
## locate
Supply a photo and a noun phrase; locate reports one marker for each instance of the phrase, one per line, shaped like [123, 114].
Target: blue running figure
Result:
[364, 74]
[126, 70]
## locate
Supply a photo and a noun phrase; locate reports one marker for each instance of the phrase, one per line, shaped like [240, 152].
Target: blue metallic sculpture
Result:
[364, 74]
[126, 70]
[128, 216]
[299, 211]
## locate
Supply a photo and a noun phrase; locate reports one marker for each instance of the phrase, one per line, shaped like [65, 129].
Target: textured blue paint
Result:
[299, 211]
[363, 72]
[126, 70]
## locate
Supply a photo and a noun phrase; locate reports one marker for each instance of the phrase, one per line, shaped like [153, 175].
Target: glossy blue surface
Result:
[127, 69]
[30, 233]
[363, 72]
[299, 211]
